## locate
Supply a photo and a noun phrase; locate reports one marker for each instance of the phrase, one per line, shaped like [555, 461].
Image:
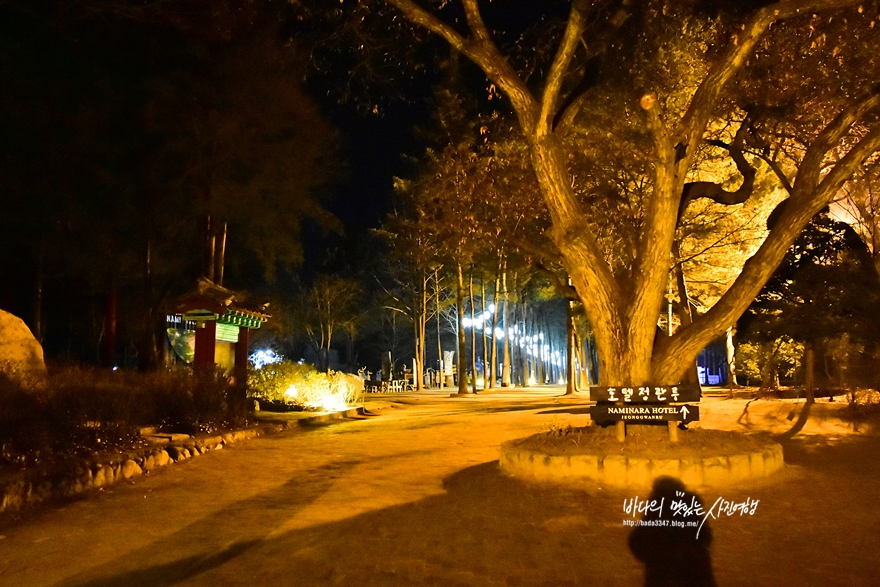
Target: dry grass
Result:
[643, 441]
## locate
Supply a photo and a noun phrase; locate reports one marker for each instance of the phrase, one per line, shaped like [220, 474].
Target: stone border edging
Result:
[34, 486]
[622, 471]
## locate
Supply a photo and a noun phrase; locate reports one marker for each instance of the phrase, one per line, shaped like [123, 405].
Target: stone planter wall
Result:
[621, 471]
[33, 486]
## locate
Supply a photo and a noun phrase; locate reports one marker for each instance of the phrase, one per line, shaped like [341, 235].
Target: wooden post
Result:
[621, 431]
[673, 431]
[206, 342]
[241, 358]
[238, 395]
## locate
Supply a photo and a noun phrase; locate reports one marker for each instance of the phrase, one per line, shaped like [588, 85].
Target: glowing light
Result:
[466, 322]
[491, 308]
[499, 333]
[330, 403]
[327, 400]
[481, 382]
[264, 357]
[532, 380]
[561, 381]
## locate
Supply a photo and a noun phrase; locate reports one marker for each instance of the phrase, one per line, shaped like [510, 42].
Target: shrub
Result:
[83, 410]
[303, 386]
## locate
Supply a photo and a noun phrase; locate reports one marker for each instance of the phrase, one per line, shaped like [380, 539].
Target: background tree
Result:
[155, 115]
[824, 297]
[329, 306]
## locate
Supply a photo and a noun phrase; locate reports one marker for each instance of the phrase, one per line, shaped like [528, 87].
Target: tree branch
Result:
[758, 269]
[697, 116]
[810, 169]
[481, 50]
[776, 169]
[844, 169]
[562, 288]
[564, 54]
[714, 191]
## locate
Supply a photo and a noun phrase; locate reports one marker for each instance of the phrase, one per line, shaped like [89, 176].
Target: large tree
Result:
[681, 99]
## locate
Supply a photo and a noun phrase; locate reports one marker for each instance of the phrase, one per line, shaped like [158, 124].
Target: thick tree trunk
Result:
[731, 359]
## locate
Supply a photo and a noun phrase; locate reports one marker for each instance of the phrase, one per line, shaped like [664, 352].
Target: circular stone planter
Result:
[522, 458]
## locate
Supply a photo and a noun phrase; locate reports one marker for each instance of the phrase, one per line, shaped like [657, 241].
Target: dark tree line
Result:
[134, 135]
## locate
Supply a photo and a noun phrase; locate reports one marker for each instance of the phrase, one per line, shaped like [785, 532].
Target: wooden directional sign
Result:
[646, 394]
[646, 413]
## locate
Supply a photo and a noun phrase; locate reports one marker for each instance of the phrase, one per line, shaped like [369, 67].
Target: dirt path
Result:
[415, 497]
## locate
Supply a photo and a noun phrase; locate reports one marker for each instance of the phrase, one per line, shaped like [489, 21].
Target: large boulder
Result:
[21, 356]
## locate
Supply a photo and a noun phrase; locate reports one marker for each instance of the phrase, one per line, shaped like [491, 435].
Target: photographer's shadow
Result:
[673, 543]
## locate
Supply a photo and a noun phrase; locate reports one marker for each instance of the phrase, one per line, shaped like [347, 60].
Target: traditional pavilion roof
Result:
[210, 301]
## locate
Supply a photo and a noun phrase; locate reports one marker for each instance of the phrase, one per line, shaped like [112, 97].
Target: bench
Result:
[393, 386]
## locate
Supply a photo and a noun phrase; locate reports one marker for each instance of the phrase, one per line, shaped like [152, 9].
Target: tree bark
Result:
[483, 330]
[462, 357]
[220, 255]
[505, 369]
[440, 366]
[421, 330]
[473, 332]
[731, 360]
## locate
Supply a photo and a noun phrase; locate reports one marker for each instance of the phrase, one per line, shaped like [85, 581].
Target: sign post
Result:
[645, 404]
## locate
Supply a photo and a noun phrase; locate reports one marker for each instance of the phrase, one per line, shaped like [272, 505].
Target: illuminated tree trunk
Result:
[496, 292]
[540, 358]
[505, 369]
[473, 332]
[441, 373]
[493, 368]
[483, 324]
[731, 359]
[462, 357]
[220, 254]
[420, 326]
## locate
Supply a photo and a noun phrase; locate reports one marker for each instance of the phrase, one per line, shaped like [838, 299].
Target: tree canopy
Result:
[679, 80]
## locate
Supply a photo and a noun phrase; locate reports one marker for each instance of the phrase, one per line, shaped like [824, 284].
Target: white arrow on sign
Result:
[684, 412]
